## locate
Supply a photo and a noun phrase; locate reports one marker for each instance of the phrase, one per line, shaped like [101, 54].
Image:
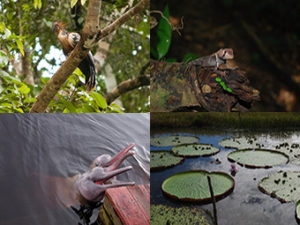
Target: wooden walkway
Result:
[126, 205]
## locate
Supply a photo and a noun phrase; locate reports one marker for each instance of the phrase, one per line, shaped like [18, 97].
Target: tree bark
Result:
[91, 34]
[175, 89]
[27, 71]
[126, 86]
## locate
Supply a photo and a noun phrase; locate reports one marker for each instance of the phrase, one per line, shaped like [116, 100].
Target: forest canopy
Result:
[30, 54]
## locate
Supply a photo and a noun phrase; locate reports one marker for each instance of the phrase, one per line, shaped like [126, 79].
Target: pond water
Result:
[38, 153]
[246, 205]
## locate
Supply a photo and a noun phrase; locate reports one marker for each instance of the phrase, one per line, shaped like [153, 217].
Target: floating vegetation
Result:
[298, 211]
[292, 150]
[241, 143]
[193, 185]
[258, 158]
[191, 150]
[285, 186]
[172, 140]
[161, 214]
[163, 159]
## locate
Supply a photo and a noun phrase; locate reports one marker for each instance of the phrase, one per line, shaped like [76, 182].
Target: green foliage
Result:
[37, 4]
[10, 40]
[73, 3]
[26, 27]
[218, 79]
[129, 52]
[15, 96]
[73, 98]
[3, 59]
[164, 35]
[189, 57]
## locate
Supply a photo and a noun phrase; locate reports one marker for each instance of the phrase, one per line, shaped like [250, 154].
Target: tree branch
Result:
[128, 85]
[139, 7]
[90, 36]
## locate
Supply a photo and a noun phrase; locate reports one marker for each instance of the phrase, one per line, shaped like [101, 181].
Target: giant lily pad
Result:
[163, 159]
[298, 211]
[241, 143]
[283, 185]
[172, 140]
[292, 150]
[161, 214]
[190, 150]
[193, 185]
[258, 158]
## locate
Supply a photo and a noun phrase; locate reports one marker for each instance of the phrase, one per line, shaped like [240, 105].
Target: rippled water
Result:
[38, 152]
[246, 205]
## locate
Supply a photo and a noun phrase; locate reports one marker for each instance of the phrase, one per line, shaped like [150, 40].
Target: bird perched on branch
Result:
[68, 42]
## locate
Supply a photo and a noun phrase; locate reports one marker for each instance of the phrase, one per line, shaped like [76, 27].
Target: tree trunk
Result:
[173, 88]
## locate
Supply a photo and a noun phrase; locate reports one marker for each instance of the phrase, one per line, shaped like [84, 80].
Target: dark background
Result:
[268, 51]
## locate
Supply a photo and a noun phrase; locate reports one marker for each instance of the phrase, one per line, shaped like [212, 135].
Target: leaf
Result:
[19, 110]
[2, 27]
[24, 89]
[5, 104]
[191, 150]
[218, 79]
[193, 186]
[70, 107]
[87, 108]
[164, 34]
[3, 59]
[44, 79]
[99, 99]
[37, 4]
[189, 57]
[165, 141]
[29, 100]
[229, 90]
[258, 158]
[73, 3]
[83, 2]
[170, 60]
[154, 52]
[6, 76]
[117, 106]
[20, 46]
[6, 35]
[26, 7]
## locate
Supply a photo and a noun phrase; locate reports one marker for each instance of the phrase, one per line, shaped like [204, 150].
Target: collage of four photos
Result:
[142, 112]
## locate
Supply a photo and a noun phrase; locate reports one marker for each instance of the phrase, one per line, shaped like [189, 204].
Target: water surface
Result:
[38, 151]
[246, 205]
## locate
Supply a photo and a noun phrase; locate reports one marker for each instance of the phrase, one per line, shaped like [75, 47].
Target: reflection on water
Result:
[41, 152]
[246, 205]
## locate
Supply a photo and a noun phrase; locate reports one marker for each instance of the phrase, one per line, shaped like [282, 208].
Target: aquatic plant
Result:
[290, 149]
[191, 150]
[298, 211]
[258, 158]
[241, 143]
[283, 185]
[172, 140]
[193, 186]
[163, 159]
[162, 214]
